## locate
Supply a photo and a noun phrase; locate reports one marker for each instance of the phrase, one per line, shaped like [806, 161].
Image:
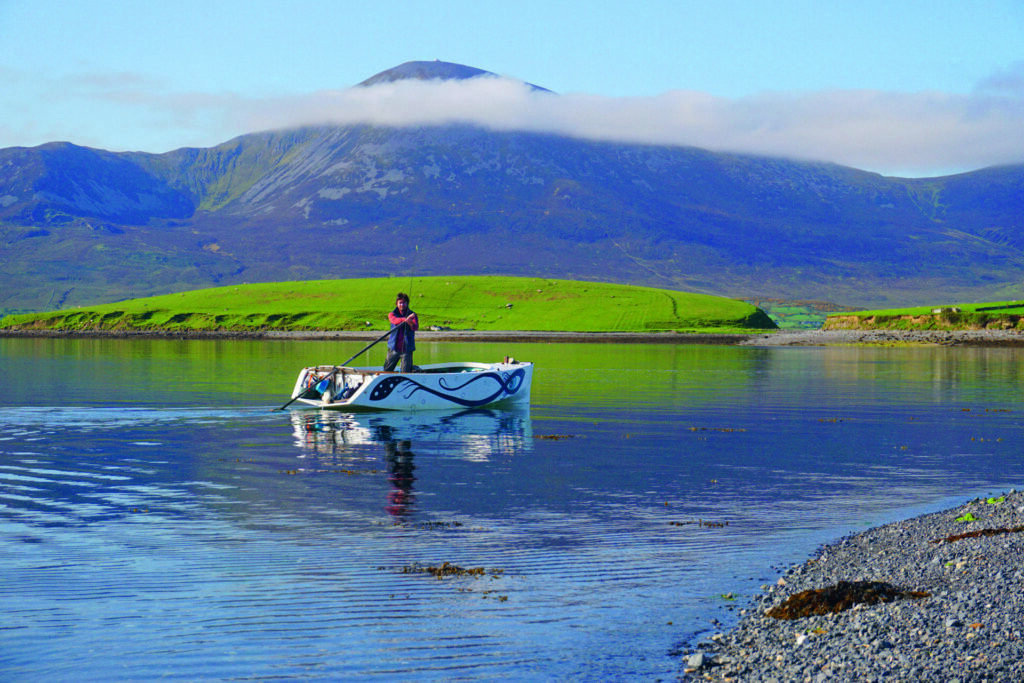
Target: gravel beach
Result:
[970, 627]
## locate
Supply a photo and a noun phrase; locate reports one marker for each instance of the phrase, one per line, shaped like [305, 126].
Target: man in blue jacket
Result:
[401, 342]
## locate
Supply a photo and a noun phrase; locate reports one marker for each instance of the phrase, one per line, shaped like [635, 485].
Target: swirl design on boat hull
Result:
[508, 383]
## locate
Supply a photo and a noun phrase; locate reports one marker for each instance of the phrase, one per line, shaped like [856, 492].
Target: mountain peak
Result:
[435, 70]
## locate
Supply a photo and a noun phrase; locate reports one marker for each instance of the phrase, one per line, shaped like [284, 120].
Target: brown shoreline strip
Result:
[447, 336]
[977, 338]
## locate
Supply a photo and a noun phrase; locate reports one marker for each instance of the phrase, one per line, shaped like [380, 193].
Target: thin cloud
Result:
[114, 83]
[1008, 81]
[913, 134]
[910, 133]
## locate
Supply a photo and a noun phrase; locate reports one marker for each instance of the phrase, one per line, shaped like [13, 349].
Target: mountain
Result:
[435, 70]
[82, 226]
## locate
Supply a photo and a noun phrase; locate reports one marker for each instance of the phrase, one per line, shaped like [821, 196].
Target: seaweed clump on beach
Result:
[980, 533]
[839, 598]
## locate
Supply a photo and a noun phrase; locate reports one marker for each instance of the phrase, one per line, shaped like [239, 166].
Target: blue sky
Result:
[898, 87]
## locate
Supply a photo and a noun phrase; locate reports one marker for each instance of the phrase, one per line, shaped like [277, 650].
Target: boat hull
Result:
[441, 386]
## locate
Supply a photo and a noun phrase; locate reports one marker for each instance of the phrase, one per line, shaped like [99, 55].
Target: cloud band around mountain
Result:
[918, 133]
[914, 134]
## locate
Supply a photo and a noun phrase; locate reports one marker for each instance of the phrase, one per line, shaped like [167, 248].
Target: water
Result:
[159, 520]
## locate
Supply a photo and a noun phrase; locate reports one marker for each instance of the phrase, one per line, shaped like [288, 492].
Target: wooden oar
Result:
[326, 380]
[382, 338]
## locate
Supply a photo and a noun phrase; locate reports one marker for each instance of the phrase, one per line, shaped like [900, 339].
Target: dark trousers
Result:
[393, 358]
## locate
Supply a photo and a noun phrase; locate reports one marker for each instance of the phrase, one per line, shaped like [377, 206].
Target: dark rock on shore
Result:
[969, 628]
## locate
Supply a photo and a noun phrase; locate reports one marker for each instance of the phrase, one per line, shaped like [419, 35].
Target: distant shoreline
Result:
[1008, 338]
[423, 335]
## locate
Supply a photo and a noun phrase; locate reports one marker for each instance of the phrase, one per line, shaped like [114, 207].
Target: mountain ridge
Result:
[82, 226]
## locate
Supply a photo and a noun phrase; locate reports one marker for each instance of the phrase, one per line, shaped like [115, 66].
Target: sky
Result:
[904, 87]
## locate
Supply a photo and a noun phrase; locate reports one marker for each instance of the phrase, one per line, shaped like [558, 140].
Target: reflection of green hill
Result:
[629, 376]
[482, 303]
[692, 379]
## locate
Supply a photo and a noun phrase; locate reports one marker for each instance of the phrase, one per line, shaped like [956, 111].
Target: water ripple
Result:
[208, 543]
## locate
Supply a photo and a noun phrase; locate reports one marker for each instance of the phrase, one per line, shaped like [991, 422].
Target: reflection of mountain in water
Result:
[471, 434]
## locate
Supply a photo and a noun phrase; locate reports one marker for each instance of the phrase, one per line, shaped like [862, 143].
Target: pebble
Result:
[970, 629]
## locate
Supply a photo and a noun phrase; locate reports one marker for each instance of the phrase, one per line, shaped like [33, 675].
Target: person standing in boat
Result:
[401, 342]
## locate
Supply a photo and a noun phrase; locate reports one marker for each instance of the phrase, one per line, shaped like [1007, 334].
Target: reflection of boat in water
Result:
[332, 439]
[475, 434]
[439, 386]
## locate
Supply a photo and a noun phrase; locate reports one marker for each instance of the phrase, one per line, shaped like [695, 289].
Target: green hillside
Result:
[461, 303]
[994, 315]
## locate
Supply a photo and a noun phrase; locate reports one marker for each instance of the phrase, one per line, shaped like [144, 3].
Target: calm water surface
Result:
[159, 520]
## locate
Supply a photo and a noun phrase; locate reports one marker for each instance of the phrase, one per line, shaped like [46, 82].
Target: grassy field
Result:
[461, 303]
[1000, 314]
[798, 315]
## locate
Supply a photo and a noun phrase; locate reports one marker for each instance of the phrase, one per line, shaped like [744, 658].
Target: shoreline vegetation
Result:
[1003, 315]
[939, 597]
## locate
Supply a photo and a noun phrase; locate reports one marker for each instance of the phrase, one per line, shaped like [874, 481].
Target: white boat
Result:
[440, 386]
